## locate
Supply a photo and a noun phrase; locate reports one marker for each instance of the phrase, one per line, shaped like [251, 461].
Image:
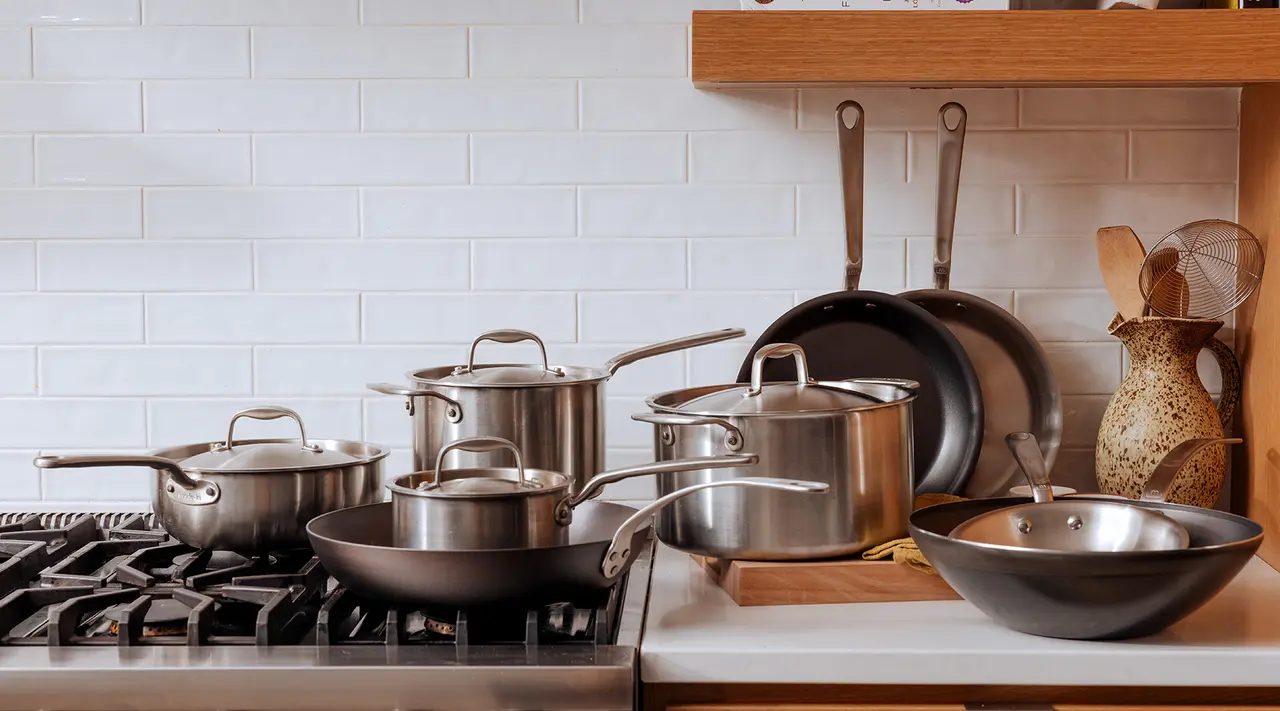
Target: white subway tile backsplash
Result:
[914, 109]
[174, 422]
[636, 491]
[468, 212]
[106, 214]
[790, 157]
[360, 159]
[1075, 468]
[17, 161]
[622, 432]
[362, 266]
[146, 370]
[577, 158]
[359, 52]
[1130, 108]
[19, 479]
[15, 52]
[675, 105]
[71, 318]
[145, 266]
[141, 52]
[63, 107]
[17, 371]
[1085, 368]
[693, 211]
[17, 266]
[792, 263]
[251, 12]
[69, 12]
[343, 370]
[1183, 156]
[1008, 263]
[719, 364]
[459, 318]
[72, 422]
[906, 209]
[470, 105]
[579, 51]
[472, 12]
[630, 12]
[252, 212]
[1152, 210]
[575, 264]
[387, 420]
[1066, 315]
[143, 160]
[1027, 157]
[619, 317]
[253, 318]
[263, 105]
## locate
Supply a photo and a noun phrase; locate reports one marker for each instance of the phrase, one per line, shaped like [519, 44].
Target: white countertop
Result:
[696, 634]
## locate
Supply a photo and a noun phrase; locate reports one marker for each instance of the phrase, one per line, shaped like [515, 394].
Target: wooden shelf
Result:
[986, 48]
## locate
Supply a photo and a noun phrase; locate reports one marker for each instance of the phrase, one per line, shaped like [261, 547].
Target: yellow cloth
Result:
[904, 550]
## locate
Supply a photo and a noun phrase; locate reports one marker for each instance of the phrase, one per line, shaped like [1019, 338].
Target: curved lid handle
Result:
[266, 412]
[1026, 452]
[777, 350]
[1157, 487]
[476, 444]
[506, 336]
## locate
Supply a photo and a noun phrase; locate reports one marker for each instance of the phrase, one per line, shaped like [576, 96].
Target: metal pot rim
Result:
[397, 488]
[573, 375]
[673, 402]
[365, 453]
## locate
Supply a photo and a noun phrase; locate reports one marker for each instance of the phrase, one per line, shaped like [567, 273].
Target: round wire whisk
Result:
[1201, 270]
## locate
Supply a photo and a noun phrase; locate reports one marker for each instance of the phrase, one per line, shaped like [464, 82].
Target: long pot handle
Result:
[452, 410]
[615, 558]
[950, 153]
[676, 344]
[733, 438]
[1026, 452]
[1157, 487]
[777, 350]
[267, 412]
[484, 443]
[851, 134]
[598, 481]
[181, 487]
[1230, 367]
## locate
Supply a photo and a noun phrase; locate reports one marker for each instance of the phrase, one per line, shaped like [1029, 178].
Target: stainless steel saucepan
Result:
[250, 495]
[553, 413]
[487, 508]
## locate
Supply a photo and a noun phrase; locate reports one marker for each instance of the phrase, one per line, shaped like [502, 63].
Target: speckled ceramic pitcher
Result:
[1161, 403]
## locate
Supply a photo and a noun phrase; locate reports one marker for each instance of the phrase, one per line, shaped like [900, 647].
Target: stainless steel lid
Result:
[507, 374]
[779, 398]
[266, 455]
[486, 483]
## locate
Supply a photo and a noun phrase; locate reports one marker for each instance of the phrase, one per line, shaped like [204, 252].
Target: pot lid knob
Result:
[264, 456]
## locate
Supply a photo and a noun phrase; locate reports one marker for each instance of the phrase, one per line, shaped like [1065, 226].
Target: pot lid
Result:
[778, 398]
[266, 455]
[481, 482]
[508, 374]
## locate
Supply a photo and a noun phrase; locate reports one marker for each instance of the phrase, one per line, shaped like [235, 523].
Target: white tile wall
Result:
[210, 204]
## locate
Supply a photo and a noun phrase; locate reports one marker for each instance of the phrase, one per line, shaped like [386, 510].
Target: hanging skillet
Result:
[869, 334]
[1019, 392]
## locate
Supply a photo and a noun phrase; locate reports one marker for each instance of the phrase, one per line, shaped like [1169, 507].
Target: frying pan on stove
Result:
[869, 334]
[1019, 390]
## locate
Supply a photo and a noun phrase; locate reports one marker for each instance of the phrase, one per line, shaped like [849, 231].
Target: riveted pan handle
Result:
[1157, 487]
[1026, 452]
[733, 439]
[180, 487]
[950, 152]
[850, 131]
[675, 344]
[599, 481]
[619, 552]
[452, 410]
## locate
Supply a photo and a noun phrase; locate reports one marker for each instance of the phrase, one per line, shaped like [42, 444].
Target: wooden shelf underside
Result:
[986, 48]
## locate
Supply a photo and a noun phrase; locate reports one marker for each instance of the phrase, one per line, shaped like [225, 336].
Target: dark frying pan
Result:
[355, 546]
[1019, 390]
[861, 334]
[1087, 595]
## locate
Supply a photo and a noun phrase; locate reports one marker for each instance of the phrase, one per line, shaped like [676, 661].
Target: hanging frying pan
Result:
[1019, 392]
[869, 334]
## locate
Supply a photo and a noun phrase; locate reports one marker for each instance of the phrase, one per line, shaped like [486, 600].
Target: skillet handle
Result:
[852, 138]
[950, 151]
[1157, 487]
[615, 559]
[672, 346]
[180, 487]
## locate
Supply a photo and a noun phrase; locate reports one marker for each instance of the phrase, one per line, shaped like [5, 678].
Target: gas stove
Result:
[106, 611]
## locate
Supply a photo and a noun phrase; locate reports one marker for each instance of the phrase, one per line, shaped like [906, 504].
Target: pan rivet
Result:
[1074, 522]
[209, 491]
[452, 414]
[169, 488]
[1024, 526]
[668, 437]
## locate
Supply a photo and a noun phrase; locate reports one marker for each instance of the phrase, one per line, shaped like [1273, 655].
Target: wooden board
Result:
[752, 583]
[1257, 493]
[990, 48]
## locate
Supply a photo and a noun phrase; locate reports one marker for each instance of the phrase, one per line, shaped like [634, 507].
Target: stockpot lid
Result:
[507, 374]
[267, 455]
[480, 482]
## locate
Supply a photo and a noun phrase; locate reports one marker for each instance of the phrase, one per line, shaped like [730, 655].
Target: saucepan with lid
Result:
[485, 508]
[250, 495]
[855, 436]
[553, 413]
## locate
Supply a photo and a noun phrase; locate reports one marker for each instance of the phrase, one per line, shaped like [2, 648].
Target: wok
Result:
[1087, 595]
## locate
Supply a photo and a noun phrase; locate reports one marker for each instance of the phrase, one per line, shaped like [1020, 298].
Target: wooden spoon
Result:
[1120, 255]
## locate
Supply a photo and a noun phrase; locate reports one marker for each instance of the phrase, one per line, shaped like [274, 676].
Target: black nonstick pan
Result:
[1087, 595]
[1019, 391]
[862, 334]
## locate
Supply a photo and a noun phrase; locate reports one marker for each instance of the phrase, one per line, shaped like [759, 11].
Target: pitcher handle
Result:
[1230, 367]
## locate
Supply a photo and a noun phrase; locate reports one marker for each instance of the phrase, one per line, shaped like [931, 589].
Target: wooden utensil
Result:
[1120, 255]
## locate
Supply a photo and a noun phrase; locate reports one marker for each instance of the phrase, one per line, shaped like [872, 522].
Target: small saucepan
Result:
[494, 508]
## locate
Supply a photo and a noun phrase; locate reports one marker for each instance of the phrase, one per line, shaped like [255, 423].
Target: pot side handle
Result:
[733, 438]
[194, 492]
[452, 412]
[1230, 367]
[678, 344]
[619, 552]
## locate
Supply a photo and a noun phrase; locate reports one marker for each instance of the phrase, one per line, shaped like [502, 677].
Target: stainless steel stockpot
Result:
[553, 413]
[491, 508]
[853, 435]
[251, 495]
